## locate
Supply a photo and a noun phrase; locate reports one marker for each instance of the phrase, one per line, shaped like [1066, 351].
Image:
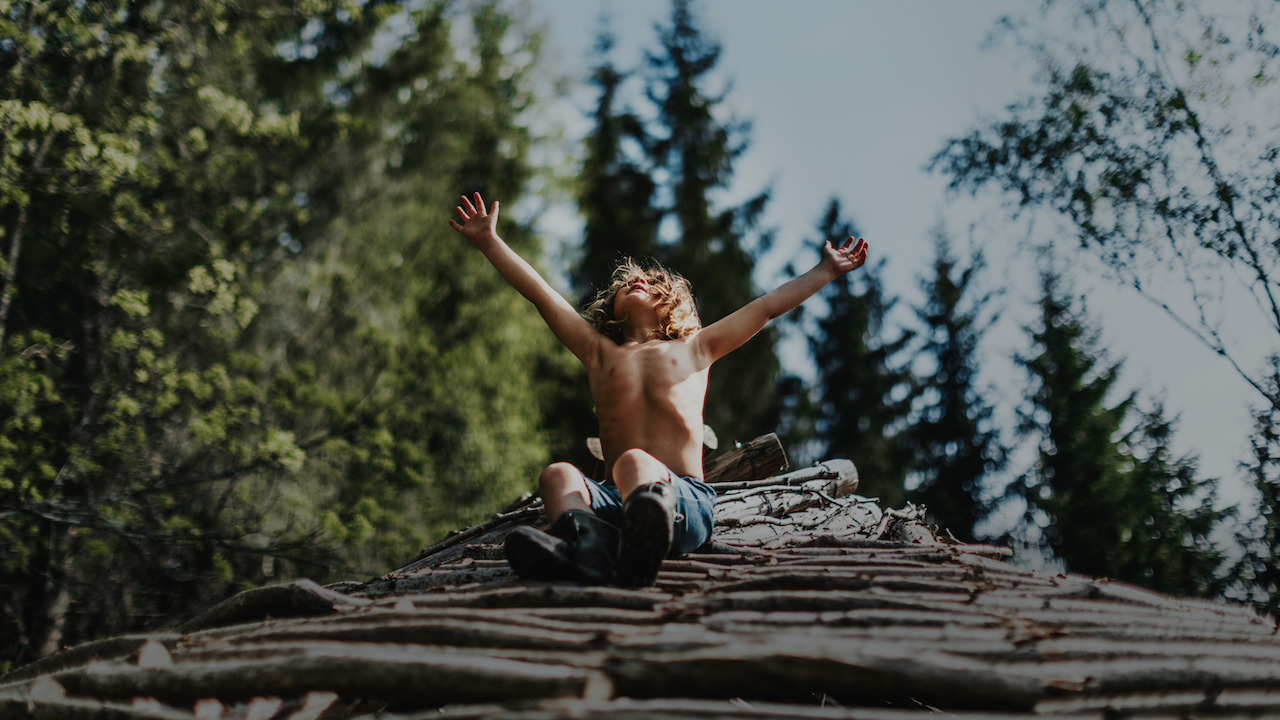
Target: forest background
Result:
[239, 342]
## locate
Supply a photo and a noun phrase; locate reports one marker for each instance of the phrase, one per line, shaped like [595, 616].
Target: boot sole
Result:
[646, 539]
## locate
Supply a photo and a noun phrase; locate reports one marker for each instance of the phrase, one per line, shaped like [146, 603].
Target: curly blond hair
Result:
[675, 303]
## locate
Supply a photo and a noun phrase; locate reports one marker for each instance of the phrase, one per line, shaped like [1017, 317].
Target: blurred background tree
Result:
[1154, 135]
[955, 443]
[237, 339]
[864, 387]
[1106, 496]
[714, 248]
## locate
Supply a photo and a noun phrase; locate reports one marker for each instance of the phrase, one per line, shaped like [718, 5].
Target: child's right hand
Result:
[478, 224]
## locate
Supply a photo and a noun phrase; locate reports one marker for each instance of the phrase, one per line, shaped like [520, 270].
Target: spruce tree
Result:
[1171, 510]
[1077, 482]
[863, 389]
[1258, 570]
[954, 444]
[617, 195]
[1114, 500]
[715, 248]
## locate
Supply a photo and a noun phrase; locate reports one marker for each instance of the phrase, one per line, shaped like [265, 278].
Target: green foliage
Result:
[1153, 135]
[1107, 501]
[238, 341]
[956, 448]
[863, 391]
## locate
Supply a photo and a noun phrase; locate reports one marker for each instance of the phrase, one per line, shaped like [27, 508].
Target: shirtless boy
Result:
[647, 359]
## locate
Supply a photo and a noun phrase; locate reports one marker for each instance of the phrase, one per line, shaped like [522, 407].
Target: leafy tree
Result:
[1155, 137]
[955, 445]
[863, 390]
[714, 249]
[136, 201]
[235, 345]
[1111, 502]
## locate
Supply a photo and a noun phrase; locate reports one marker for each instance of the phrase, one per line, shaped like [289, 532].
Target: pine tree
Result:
[1172, 513]
[1258, 570]
[617, 196]
[1077, 482]
[1115, 503]
[714, 250]
[952, 438]
[863, 387]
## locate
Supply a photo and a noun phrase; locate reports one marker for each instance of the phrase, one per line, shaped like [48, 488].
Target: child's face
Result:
[637, 293]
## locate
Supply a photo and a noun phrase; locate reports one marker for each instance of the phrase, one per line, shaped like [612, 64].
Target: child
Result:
[647, 358]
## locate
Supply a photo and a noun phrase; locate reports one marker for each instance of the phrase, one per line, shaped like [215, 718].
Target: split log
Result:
[760, 458]
[681, 709]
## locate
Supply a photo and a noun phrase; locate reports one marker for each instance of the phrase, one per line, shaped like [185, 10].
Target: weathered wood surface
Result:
[811, 603]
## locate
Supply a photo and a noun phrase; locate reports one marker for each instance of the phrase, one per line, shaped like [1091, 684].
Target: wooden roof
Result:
[811, 602]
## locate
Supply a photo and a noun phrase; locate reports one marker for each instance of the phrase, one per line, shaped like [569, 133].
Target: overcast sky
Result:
[850, 99]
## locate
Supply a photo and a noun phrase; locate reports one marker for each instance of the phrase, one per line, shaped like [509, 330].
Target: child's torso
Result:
[650, 396]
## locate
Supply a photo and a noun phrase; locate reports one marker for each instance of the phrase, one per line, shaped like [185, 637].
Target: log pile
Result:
[811, 602]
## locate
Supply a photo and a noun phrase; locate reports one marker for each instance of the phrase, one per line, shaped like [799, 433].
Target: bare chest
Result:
[654, 367]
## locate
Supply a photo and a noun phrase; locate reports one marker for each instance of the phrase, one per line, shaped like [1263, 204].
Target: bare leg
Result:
[562, 487]
[636, 467]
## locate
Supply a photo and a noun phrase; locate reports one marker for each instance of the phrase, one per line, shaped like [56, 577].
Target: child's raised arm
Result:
[727, 334]
[479, 227]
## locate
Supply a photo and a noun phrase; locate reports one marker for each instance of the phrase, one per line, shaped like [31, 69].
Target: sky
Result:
[849, 99]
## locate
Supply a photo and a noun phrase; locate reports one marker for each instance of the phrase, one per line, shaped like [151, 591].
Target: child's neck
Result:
[642, 332]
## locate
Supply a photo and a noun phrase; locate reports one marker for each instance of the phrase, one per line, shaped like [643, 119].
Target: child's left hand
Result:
[848, 256]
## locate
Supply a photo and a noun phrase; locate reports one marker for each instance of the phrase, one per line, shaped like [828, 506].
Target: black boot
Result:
[535, 555]
[593, 544]
[648, 520]
[579, 547]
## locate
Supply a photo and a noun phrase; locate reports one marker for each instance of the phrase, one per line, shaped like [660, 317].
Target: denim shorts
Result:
[695, 509]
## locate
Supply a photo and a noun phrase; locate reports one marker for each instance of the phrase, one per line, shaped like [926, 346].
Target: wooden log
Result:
[816, 708]
[847, 671]
[760, 458]
[93, 651]
[418, 629]
[53, 708]
[418, 675]
[297, 599]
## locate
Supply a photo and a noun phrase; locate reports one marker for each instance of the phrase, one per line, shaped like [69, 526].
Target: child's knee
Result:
[636, 467]
[559, 476]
